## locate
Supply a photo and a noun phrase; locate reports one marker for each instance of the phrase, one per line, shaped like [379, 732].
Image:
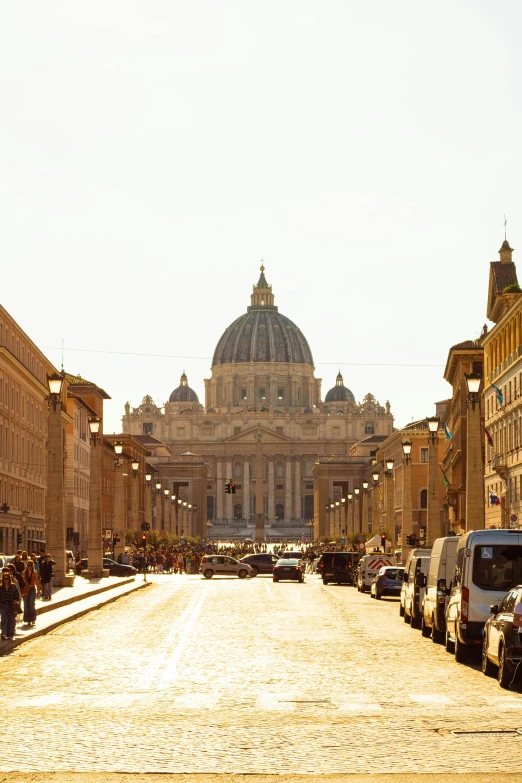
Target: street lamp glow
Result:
[473, 382]
[337, 503]
[135, 463]
[343, 500]
[357, 490]
[118, 448]
[365, 485]
[166, 492]
[148, 477]
[94, 425]
[158, 486]
[389, 464]
[433, 424]
[180, 501]
[406, 448]
[55, 383]
[350, 496]
[375, 475]
[173, 498]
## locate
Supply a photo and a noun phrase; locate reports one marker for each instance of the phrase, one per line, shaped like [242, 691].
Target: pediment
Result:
[250, 436]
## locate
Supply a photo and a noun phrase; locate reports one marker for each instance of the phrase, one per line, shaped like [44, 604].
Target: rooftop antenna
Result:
[505, 228]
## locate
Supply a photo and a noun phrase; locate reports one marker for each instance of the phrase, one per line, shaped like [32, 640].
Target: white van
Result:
[369, 566]
[487, 566]
[411, 553]
[415, 581]
[442, 565]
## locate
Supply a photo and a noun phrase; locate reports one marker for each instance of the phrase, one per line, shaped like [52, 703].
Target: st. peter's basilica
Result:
[262, 385]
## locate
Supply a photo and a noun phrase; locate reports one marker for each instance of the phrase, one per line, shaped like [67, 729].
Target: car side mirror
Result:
[493, 609]
[441, 586]
[420, 580]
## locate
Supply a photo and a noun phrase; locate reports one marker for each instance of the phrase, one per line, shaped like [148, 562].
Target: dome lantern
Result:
[339, 393]
[183, 393]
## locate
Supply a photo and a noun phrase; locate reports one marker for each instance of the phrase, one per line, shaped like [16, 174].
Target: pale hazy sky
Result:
[153, 152]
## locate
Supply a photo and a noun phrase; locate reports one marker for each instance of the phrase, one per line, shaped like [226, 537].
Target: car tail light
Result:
[464, 606]
[277, 567]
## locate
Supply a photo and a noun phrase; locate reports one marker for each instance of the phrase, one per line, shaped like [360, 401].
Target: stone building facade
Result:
[262, 378]
[23, 433]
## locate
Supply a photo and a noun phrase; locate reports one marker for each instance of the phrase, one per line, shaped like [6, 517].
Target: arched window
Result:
[237, 470]
[424, 498]
[308, 467]
[280, 511]
[280, 470]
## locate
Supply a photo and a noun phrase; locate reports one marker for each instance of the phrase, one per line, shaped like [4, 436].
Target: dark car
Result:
[338, 567]
[288, 568]
[261, 563]
[387, 582]
[502, 642]
[115, 569]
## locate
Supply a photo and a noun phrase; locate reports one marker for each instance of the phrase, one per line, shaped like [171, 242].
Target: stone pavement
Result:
[249, 677]
[69, 603]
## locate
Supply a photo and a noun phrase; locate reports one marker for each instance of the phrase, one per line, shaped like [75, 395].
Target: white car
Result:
[222, 565]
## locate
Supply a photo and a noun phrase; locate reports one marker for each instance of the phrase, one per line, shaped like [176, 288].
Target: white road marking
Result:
[273, 702]
[187, 627]
[361, 708]
[429, 698]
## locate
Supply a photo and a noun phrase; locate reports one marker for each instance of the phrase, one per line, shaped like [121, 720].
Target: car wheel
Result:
[487, 667]
[461, 651]
[301, 580]
[378, 596]
[401, 610]
[504, 676]
[407, 617]
[437, 637]
[415, 622]
[274, 579]
[450, 646]
[425, 629]
[208, 574]
[255, 570]
[325, 581]
[242, 574]
[363, 588]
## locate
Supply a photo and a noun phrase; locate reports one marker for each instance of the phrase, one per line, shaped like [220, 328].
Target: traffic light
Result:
[115, 539]
[228, 488]
[19, 538]
[144, 541]
[411, 540]
[233, 488]
[145, 526]
[383, 541]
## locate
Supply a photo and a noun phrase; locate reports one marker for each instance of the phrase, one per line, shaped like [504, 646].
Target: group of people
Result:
[23, 579]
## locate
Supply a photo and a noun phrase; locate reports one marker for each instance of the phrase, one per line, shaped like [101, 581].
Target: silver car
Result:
[222, 565]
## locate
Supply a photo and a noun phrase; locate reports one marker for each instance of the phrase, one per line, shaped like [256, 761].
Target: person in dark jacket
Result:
[9, 598]
[46, 575]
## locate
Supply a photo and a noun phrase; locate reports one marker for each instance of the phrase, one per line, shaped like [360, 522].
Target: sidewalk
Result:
[68, 603]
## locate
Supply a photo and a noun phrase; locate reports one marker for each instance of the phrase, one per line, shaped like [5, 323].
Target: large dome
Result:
[339, 393]
[262, 334]
[183, 393]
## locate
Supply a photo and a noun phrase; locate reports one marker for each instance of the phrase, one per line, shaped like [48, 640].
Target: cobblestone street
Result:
[251, 677]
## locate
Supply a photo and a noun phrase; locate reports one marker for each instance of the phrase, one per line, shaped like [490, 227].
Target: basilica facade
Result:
[262, 387]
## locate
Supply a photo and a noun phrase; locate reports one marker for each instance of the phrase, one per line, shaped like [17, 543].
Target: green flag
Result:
[444, 478]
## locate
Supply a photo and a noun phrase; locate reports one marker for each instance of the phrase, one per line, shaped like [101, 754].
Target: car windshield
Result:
[497, 567]
[289, 561]
[391, 573]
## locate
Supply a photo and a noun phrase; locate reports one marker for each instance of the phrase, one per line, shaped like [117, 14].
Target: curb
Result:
[74, 598]
[10, 646]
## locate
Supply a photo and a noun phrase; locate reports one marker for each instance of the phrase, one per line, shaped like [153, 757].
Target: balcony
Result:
[499, 465]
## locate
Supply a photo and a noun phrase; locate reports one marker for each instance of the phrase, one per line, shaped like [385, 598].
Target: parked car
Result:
[388, 581]
[288, 568]
[412, 553]
[115, 569]
[338, 567]
[261, 563]
[487, 566]
[293, 554]
[369, 566]
[222, 565]
[502, 642]
[436, 596]
[415, 579]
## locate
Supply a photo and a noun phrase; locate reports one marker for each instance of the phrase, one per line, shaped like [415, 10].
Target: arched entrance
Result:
[238, 511]
[280, 511]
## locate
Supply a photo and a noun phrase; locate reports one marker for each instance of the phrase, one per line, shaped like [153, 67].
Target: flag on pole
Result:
[494, 499]
[488, 435]
[449, 434]
[500, 396]
[444, 478]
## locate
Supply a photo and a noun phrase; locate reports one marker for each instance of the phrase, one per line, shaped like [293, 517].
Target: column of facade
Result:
[55, 496]
[390, 506]
[229, 514]
[365, 527]
[95, 536]
[298, 513]
[148, 505]
[271, 490]
[288, 488]
[475, 511]
[220, 486]
[246, 488]
[407, 516]
[119, 512]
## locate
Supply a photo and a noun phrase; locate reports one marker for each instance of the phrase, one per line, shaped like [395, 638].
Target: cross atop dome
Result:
[262, 295]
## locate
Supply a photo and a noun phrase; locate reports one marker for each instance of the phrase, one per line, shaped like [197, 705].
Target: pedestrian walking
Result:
[46, 575]
[29, 593]
[9, 604]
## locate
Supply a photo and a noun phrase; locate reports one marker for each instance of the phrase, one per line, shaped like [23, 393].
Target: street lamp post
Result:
[375, 501]
[55, 496]
[349, 513]
[358, 512]
[95, 537]
[407, 516]
[338, 516]
[390, 497]
[119, 523]
[166, 493]
[475, 511]
[179, 511]
[135, 467]
[365, 528]
[148, 499]
[433, 522]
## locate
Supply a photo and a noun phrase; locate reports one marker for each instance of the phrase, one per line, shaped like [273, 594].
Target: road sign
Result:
[182, 541]
[362, 538]
[514, 518]
[342, 540]
[163, 533]
[108, 534]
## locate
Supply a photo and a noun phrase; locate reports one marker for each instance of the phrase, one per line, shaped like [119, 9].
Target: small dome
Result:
[183, 393]
[339, 393]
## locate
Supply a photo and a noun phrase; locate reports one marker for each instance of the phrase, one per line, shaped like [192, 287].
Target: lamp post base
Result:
[95, 573]
[63, 580]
